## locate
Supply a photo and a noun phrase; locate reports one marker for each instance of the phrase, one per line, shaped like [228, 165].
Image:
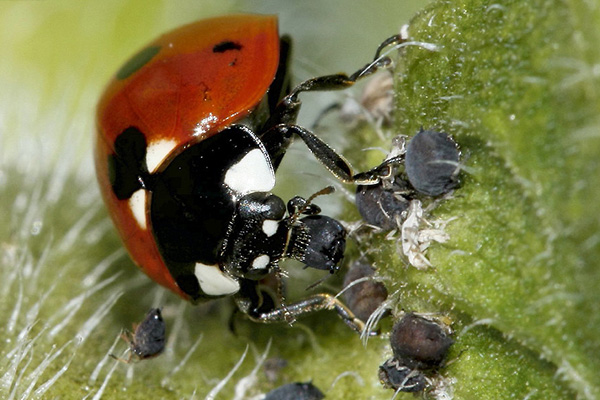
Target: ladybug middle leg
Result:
[249, 301]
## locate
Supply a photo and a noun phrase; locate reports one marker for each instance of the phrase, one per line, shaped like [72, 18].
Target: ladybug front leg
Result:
[286, 112]
[281, 127]
[343, 81]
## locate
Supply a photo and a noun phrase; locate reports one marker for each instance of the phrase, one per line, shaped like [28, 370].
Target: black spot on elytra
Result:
[127, 165]
[226, 45]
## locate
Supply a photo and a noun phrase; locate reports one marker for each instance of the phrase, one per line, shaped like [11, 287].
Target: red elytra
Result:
[183, 91]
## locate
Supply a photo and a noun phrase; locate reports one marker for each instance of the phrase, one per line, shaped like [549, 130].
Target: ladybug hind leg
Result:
[247, 301]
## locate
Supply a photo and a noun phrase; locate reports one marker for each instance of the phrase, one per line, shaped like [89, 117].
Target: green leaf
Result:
[514, 82]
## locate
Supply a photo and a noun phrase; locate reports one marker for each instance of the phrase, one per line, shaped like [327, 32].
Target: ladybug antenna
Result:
[324, 191]
[298, 206]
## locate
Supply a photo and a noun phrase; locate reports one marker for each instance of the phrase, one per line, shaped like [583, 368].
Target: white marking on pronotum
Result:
[157, 151]
[270, 226]
[253, 173]
[261, 262]
[214, 282]
[137, 204]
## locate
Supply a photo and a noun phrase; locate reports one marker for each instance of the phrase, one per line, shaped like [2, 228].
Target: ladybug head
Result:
[259, 236]
[255, 237]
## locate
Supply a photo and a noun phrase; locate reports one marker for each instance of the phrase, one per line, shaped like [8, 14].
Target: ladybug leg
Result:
[281, 127]
[317, 302]
[343, 81]
[287, 110]
[385, 170]
[251, 301]
[334, 162]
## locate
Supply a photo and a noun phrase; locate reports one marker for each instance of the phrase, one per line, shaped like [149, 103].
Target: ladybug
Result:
[190, 133]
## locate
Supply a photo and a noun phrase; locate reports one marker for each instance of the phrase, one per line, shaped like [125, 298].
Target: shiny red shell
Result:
[184, 89]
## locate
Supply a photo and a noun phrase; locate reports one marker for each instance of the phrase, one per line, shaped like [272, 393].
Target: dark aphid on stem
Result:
[394, 375]
[296, 391]
[420, 347]
[383, 207]
[431, 162]
[148, 338]
[364, 297]
[419, 343]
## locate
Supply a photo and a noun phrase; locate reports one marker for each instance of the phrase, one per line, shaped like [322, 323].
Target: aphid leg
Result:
[127, 336]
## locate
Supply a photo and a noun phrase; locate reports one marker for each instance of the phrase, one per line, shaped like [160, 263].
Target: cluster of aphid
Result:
[416, 171]
[427, 167]
[419, 344]
[420, 347]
